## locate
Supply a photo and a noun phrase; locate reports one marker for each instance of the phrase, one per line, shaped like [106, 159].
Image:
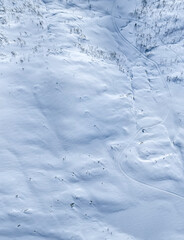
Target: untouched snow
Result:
[92, 120]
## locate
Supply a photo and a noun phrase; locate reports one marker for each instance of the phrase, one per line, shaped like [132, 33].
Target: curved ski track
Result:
[140, 129]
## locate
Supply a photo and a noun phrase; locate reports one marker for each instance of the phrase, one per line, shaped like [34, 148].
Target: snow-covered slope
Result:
[91, 122]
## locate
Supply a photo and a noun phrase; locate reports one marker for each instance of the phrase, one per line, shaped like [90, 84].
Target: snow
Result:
[91, 120]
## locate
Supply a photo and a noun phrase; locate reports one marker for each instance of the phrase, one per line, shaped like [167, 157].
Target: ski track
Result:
[120, 163]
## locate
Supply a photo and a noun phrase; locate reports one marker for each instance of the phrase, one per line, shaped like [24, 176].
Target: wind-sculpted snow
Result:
[91, 123]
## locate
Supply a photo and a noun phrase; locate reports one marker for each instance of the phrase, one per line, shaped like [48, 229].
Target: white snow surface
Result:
[91, 120]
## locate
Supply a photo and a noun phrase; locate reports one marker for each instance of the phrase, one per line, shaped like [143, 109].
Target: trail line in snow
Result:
[140, 54]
